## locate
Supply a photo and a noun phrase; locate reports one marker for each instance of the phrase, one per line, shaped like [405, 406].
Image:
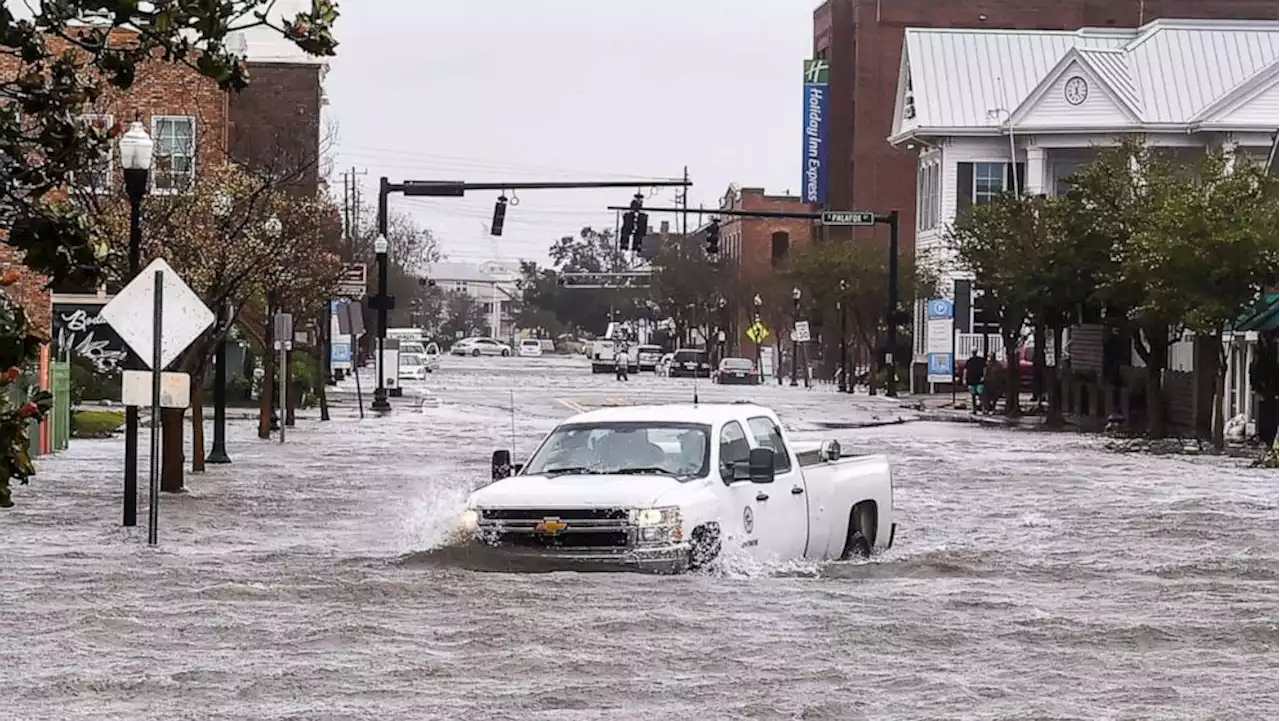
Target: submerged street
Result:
[1034, 576]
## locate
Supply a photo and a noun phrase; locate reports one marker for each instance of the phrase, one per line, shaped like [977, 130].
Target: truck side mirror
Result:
[760, 465]
[501, 464]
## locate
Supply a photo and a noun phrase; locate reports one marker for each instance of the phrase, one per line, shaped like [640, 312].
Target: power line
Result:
[349, 149]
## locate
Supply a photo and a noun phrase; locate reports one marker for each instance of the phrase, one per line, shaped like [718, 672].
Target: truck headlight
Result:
[469, 521]
[664, 516]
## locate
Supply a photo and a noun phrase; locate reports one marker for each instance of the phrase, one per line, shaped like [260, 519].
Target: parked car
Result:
[530, 348]
[667, 488]
[480, 346]
[648, 356]
[413, 367]
[741, 371]
[690, 363]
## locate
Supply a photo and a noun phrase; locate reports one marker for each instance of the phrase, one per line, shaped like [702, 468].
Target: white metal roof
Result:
[1165, 72]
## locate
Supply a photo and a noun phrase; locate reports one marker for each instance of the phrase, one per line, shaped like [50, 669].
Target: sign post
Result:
[178, 317]
[284, 344]
[940, 341]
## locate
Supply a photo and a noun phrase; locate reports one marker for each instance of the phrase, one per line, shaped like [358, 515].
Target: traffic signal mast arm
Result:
[795, 215]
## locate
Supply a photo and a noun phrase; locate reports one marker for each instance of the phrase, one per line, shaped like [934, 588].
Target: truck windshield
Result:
[675, 449]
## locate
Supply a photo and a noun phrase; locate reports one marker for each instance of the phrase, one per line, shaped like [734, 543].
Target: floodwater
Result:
[1034, 576]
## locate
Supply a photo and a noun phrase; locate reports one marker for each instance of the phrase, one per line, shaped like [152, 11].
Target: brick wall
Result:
[753, 250]
[863, 42]
[159, 88]
[275, 122]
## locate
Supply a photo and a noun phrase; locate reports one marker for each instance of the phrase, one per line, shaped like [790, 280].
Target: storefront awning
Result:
[1262, 318]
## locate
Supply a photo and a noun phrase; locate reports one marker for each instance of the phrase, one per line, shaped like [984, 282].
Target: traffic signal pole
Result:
[854, 218]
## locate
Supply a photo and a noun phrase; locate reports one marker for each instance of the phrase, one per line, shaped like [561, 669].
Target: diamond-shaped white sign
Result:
[132, 314]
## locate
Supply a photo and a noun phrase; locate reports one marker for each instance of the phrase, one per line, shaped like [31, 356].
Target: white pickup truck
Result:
[668, 488]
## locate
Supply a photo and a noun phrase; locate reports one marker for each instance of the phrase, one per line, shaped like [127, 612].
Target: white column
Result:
[1035, 170]
[1229, 153]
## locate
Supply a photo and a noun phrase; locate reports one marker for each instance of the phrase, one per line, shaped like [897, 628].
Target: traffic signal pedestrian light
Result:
[713, 237]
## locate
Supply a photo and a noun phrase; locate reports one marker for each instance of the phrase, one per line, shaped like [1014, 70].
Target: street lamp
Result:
[845, 385]
[135, 160]
[272, 228]
[222, 205]
[757, 301]
[380, 402]
[795, 341]
[724, 323]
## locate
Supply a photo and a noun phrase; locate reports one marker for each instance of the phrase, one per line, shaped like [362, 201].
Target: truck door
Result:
[743, 518]
[788, 517]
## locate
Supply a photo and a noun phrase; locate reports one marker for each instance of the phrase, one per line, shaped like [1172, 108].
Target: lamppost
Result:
[845, 385]
[272, 228]
[757, 301]
[380, 402]
[795, 342]
[222, 205]
[135, 160]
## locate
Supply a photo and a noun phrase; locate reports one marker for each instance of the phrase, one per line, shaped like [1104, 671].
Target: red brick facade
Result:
[275, 122]
[862, 39]
[758, 245]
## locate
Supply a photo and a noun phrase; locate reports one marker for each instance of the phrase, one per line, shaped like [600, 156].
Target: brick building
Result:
[759, 245]
[862, 41]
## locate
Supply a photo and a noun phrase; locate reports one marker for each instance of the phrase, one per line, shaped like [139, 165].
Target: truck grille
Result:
[573, 528]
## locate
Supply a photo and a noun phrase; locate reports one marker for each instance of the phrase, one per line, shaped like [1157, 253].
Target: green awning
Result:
[1262, 318]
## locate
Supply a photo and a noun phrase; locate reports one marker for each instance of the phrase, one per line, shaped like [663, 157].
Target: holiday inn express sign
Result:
[813, 163]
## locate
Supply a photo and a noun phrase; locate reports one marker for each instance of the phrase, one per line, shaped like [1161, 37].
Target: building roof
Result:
[464, 272]
[1167, 74]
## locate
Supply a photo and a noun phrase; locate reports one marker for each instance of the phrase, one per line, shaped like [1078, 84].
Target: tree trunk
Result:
[197, 424]
[268, 381]
[1038, 361]
[1053, 417]
[173, 462]
[1156, 358]
[1219, 395]
[325, 352]
[1013, 373]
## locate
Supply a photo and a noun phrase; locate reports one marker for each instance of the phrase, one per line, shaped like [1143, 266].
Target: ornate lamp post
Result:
[135, 159]
[845, 384]
[756, 302]
[380, 402]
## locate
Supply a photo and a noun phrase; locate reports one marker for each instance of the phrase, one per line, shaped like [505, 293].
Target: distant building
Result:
[492, 284]
[757, 246]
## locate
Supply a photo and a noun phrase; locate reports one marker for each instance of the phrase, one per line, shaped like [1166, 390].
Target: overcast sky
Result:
[508, 90]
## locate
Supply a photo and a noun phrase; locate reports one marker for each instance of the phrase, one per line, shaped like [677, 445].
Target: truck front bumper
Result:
[673, 558]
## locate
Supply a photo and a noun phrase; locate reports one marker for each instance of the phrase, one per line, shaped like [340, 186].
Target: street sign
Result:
[354, 280]
[175, 389]
[131, 314]
[802, 331]
[758, 332]
[939, 339]
[848, 217]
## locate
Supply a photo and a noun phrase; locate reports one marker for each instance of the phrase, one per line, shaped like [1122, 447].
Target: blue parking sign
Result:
[940, 309]
[940, 367]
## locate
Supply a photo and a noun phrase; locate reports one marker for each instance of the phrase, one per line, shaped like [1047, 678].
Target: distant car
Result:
[740, 371]
[648, 357]
[530, 348]
[413, 367]
[480, 346]
[690, 363]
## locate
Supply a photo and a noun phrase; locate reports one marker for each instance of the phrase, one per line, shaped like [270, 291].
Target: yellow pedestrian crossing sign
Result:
[757, 332]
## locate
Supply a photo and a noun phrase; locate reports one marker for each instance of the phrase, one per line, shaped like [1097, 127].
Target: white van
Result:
[530, 348]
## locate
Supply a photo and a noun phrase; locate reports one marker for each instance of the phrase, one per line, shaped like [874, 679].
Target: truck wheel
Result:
[856, 546]
[706, 546]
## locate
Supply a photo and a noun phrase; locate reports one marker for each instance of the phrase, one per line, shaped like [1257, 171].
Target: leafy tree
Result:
[541, 297]
[585, 309]
[20, 403]
[818, 269]
[686, 287]
[463, 314]
[590, 251]
[60, 64]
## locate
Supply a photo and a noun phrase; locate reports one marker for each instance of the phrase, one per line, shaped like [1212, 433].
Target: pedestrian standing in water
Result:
[975, 373]
[620, 360]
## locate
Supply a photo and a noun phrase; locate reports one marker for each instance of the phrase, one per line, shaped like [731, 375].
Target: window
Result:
[928, 195]
[768, 435]
[988, 181]
[781, 248]
[1061, 172]
[97, 178]
[733, 448]
[174, 161]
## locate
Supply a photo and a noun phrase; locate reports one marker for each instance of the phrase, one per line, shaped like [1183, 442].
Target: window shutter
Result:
[1015, 177]
[964, 186]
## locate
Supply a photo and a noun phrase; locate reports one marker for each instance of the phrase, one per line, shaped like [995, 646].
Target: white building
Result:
[971, 102]
[492, 284]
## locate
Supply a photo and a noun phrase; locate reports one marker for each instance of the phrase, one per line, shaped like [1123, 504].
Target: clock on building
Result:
[1076, 90]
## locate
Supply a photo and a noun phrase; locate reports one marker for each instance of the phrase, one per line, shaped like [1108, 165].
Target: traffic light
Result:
[499, 215]
[713, 237]
[628, 228]
[641, 230]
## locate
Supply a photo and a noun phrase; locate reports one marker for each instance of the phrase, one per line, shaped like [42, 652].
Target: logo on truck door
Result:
[550, 526]
[748, 519]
